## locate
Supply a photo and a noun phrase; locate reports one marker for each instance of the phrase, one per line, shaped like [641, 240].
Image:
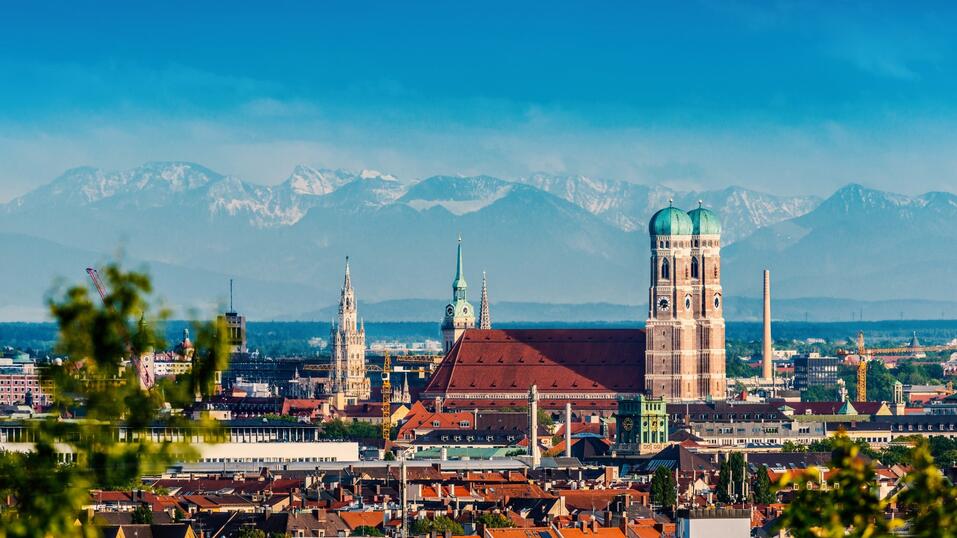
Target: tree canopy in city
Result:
[97, 390]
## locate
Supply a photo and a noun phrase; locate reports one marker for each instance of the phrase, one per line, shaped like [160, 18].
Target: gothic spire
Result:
[485, 318]
[347, 283]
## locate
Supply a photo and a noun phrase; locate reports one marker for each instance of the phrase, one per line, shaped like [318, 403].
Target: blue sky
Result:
[788, 97]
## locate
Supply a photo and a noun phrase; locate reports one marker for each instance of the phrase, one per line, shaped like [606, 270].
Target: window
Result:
[665, 273]
[694, 267]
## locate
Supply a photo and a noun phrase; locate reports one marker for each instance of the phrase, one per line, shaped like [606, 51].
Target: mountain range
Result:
[543, 239]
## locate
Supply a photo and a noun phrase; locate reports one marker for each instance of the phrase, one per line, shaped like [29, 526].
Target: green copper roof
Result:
[704, 222]
[670, 221]
[459, 281]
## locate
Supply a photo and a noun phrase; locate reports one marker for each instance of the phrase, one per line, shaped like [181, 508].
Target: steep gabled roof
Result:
[583, 361]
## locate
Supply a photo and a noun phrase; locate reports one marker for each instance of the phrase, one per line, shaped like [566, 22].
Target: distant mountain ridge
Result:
[543, 239]
[622, 204]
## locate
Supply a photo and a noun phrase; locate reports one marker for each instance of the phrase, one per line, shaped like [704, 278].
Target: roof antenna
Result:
[231, 295]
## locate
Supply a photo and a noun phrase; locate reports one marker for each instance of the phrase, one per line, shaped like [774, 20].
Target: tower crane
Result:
[142, 375]
[866, 354]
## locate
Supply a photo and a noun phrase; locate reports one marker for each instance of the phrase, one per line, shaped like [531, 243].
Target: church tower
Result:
[708, 305]
[671, 361]
[459, 314]
[485, 316]
[349, 348]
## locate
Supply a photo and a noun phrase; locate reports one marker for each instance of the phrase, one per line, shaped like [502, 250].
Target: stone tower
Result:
[459, 314]
[348, 340]
[485, 317]
[684, 346]
[709, 307]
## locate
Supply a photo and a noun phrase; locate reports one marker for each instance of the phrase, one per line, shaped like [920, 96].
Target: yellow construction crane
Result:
[866, 354]
[386, 400]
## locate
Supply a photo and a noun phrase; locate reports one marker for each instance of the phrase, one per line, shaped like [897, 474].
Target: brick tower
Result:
[671, 362]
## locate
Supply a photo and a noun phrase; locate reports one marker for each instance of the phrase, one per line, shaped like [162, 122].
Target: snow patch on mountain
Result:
[461, 207]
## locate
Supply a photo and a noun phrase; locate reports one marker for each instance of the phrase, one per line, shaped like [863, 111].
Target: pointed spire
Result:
[485, 318]
[459, 282]
[347, 283]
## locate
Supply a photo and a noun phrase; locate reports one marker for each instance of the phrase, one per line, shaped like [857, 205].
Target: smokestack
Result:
[767, 348]
[568, 430]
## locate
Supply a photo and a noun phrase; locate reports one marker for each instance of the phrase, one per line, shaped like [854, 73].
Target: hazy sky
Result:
[786, 97]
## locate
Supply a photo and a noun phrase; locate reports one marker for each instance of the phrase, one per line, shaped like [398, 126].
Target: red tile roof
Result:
[588, 362]
[362, 519]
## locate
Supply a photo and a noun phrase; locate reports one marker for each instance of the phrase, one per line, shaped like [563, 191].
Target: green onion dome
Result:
[670, 221]
[704, 222]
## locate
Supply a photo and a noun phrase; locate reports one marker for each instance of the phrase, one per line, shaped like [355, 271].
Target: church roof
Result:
[670, 221]
[704, 222]
[591, 363]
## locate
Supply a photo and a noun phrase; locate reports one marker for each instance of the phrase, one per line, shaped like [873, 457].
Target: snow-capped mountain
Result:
[859, 243]
[534, 236]
[629, 205]
[458, 195]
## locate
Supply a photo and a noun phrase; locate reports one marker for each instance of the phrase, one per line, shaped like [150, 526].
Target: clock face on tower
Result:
[450, 311]
[663, 304]
[465, 310]
[717, 301]
[687, 302]
[627, 424]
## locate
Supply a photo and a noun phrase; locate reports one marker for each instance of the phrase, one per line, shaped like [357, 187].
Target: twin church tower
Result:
[684, 334]
[684, 357]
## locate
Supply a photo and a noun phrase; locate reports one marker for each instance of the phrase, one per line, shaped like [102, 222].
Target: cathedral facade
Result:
[348, 340]
[684, 340]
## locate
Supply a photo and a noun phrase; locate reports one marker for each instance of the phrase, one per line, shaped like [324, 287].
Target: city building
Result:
[679, 356]
[813, 370]
[685, 349]
[348, 379]
[701, 523]
[235, 327]
[240, 440]
[642, 426]
[459, 314]
[20, 383]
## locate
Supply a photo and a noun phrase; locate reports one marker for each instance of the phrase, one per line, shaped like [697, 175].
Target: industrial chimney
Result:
[768, 344]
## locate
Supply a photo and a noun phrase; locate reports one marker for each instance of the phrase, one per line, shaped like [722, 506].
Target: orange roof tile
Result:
[362, 519]
[527, 532]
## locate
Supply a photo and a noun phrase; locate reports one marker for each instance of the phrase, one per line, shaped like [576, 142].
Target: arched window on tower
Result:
[694, 267]
[715, 271]
[665, 273]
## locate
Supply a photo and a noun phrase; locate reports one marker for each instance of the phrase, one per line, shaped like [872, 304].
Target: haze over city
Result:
[492, 270]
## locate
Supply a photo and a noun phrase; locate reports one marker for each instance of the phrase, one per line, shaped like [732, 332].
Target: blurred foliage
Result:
[926, 501]
[97, 391]
[849, 507]
[929, 499]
